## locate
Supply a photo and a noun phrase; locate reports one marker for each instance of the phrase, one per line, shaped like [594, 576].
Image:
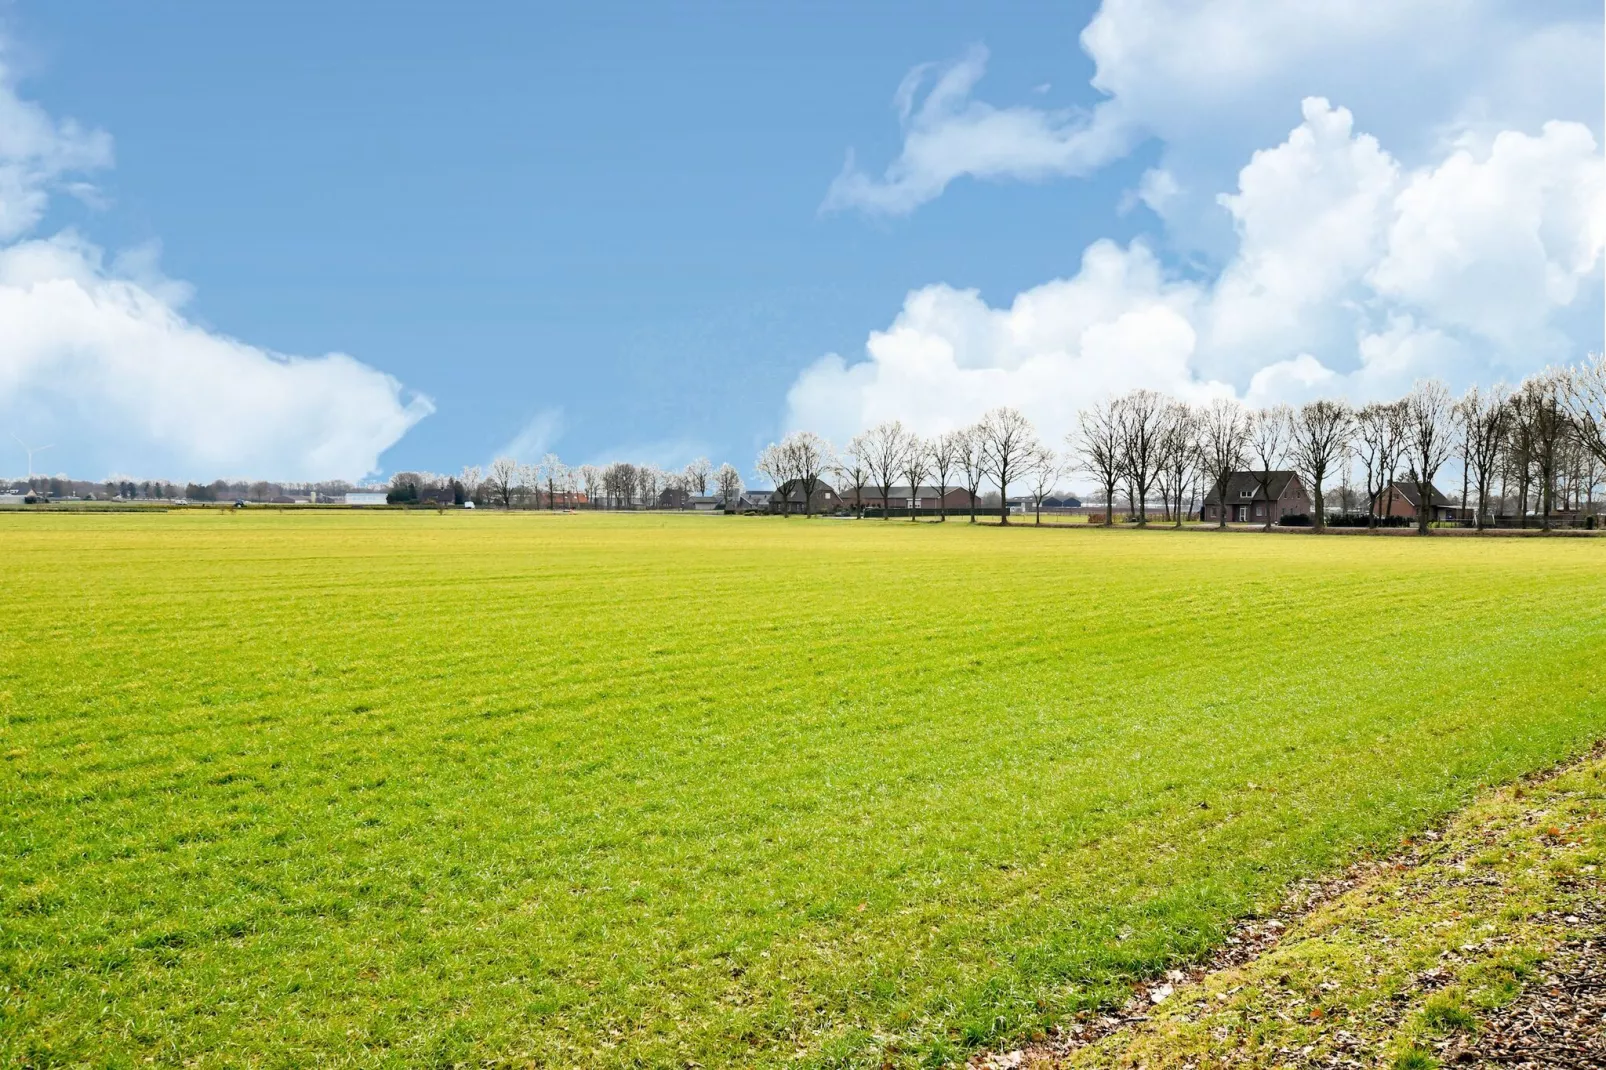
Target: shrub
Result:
[1359, 520]
[1293, 520]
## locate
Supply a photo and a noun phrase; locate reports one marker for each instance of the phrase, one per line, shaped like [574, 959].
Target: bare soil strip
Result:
[1480, 944]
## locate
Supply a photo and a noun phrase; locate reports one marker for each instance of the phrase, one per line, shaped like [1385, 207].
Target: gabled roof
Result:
[925, 490]
[792, 490]
[1407, 490]
[1246, 487]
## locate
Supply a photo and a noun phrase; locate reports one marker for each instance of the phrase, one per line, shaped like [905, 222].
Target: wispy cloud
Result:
[538, 435]
[948, 134]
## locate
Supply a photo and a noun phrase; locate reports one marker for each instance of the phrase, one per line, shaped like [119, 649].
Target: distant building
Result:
[1400, 499]
[954, 499]
[788, 498]
[1252, 495]
[676, 498]
[754, 501]
[365, 497]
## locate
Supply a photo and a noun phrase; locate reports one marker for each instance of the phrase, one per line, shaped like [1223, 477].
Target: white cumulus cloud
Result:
[1495, 238]
[100, 358]
[1211, 80]
[1351, 275]
[1117, 324]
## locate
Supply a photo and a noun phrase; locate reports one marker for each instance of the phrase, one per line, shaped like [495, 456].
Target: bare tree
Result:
[1320, 434]
[1179, 459]
[808, 458]
[1141, 417]
[697, 474]
[503, 479]
[1483, 416]
[1043, 469]
[775, 464]
[885, 447]
[946, 450]
[619, 484]
[471, 479]
[916, 464]
[853, 470]
[1224, 447]
[1268, 441]
[1100, 446]
[971, 461]
[1007, 441]
[1428, 410]
[1380, 439]
[590, 477]
[1584, 394]
[728, 485]
[1537, 410]
[649, 483]
[556, 474]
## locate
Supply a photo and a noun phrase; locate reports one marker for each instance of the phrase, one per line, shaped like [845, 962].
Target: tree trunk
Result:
[1319, 521]
[1464, 476]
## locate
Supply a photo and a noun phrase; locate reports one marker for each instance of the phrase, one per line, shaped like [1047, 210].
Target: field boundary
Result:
[1539, 908]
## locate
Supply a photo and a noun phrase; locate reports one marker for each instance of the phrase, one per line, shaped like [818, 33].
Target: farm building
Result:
[1251, 495]
[1401, 499]
[921, 497]
[679, 498]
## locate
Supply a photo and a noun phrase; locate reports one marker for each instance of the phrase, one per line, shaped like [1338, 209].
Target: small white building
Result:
[365, 497]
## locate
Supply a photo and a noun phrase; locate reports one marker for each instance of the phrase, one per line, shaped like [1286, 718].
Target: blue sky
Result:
[608, 229]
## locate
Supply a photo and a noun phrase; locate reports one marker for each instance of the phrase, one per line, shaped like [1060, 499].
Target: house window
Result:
[1257, 510]
[1246, 494]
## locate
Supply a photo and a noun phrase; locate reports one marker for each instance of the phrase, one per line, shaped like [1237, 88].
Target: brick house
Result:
[956, 499]
[1403, 503]
[788, 498]
[1249, 500]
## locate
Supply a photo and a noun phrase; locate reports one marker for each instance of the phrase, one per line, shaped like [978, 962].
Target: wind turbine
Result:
[30, 450]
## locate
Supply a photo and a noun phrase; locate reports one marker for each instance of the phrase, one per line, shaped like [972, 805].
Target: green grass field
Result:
[381, 789]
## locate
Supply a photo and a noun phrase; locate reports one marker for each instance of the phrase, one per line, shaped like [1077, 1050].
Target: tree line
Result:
[1527, 451]
[1540, 443]
[509, 483]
